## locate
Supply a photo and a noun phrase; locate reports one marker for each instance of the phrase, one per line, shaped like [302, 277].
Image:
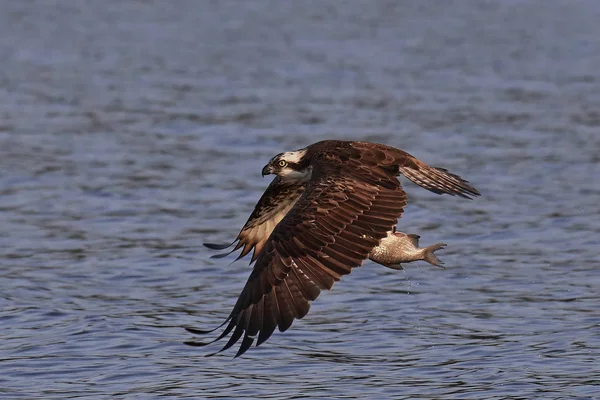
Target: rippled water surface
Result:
[131, 132]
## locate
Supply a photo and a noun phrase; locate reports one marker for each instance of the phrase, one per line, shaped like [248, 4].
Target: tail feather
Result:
[430, 257]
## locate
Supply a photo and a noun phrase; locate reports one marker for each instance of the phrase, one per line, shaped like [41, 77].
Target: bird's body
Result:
[328, 208]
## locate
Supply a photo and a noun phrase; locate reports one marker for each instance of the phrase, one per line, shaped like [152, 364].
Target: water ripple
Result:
[133, 132]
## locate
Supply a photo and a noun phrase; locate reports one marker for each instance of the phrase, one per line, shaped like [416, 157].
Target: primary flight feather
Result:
[327, 210]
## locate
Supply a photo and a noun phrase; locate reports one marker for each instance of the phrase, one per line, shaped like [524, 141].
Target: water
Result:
[131, 132]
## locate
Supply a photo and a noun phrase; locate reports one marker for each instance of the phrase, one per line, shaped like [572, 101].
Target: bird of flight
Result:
[331, 206]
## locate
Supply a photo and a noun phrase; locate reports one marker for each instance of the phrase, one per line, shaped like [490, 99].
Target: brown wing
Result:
[348, 206]
[274, 204]
[436, 180]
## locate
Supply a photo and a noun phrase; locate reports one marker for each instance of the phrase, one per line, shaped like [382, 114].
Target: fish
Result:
[399, 247]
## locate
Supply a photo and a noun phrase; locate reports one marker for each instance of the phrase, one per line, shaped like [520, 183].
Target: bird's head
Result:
[292, 165]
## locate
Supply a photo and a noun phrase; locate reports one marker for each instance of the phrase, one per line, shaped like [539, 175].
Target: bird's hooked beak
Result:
[267, 170]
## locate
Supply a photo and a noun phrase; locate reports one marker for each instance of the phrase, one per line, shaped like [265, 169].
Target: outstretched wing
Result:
[436, 180]
[274, 204]
[347, 207]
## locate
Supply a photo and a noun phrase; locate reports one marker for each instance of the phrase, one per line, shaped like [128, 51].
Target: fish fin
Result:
[414, 239]
[430, 257]
[397, 266]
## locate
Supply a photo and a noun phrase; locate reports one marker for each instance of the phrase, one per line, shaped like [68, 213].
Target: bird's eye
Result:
[282, 163]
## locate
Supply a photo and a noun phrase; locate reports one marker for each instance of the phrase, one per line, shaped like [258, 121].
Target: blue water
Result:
[131, 132]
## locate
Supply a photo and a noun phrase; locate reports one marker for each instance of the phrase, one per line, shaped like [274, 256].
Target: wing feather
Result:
[317, 276]
[310, 290]
[255, 320]
[323, 265]
[286, 314]
[279, 197]
[270, 312]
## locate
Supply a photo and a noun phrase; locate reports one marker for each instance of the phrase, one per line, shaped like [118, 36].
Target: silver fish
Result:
[399, 247]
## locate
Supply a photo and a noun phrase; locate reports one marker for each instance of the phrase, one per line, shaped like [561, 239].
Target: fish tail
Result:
[430, 257]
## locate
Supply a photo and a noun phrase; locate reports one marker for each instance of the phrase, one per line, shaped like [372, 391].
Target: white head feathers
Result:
[293, 156]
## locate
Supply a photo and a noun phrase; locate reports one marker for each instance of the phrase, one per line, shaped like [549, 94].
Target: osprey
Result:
[328, 209]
